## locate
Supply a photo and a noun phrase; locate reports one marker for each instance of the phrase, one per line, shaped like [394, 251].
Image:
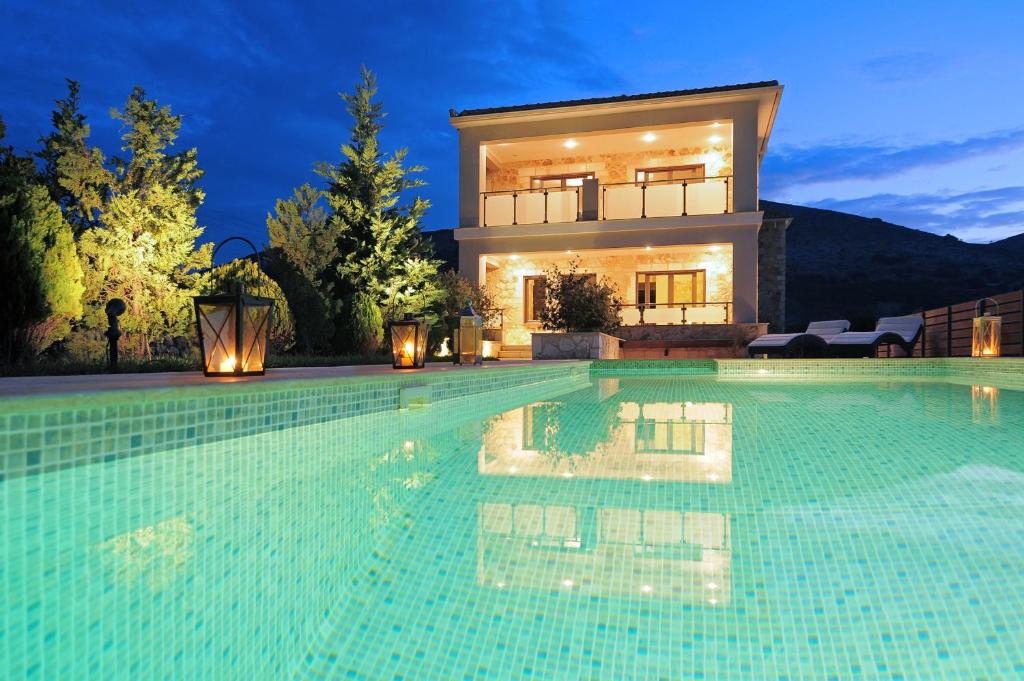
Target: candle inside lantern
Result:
[228, 364]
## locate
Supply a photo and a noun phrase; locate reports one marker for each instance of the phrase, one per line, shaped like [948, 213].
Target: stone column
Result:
[771, 266]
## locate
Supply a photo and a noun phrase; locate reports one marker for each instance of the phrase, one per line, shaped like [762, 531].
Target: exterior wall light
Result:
[233, 329]
[408, 342]
[469, 337]
[986, 336]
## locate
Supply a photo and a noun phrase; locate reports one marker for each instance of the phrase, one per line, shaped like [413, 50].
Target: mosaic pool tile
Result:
[541, 525]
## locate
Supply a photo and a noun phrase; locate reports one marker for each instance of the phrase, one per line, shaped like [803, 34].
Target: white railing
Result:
[716, 312]
[665, 198]
[531, 206]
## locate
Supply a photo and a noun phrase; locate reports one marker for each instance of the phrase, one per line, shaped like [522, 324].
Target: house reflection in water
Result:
[605, 548]
[665, 441]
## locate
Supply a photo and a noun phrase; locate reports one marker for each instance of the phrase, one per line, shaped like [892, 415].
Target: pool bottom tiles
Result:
[687, 528]
[634, 528]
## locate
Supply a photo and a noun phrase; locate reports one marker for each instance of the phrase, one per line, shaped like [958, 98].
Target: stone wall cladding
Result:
[506, 282]
[608, 168]
[580, 345]
[771, 273]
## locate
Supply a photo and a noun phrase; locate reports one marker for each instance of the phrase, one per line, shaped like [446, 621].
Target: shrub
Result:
[578, 302]
[42, 273]
[456, 291]
[366, 324]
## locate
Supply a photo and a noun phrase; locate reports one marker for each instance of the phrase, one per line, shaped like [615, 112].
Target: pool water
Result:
[645, 527]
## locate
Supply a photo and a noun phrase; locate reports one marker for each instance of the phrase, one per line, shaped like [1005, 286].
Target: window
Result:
[559, 181]
[694, 173]
[534, 287]
[669, 437]
[534, 294]
[670, 289]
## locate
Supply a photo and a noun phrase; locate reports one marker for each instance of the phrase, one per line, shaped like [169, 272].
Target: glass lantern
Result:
[468, 338]
[234, 331]
[408, 342]
[986, 334]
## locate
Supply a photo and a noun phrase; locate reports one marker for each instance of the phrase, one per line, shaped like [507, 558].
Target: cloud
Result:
[800, 166]
[983, 215]
[901, 66]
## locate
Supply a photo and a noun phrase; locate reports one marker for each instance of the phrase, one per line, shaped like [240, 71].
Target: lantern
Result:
[234, 329]
[986, 334]
[408, 342]
[984, 404]
[468, 337]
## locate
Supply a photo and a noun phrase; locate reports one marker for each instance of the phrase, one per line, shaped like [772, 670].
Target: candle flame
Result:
[228, 364]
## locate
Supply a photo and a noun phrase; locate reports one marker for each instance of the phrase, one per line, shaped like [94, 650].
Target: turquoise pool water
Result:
[586, 527]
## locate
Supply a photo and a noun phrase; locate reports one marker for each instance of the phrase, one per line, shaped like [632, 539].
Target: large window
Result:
[534, 294]
[559, 181]
[670, 289]
[693, 173]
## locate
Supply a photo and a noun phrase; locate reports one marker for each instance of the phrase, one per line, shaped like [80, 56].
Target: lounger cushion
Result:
[825, 330]
[906, 327]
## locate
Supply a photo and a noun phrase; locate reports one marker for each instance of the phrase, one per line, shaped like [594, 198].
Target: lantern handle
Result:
[255, 252]
[978, 306]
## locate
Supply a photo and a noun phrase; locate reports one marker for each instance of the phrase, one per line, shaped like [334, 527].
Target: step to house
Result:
[515, 352]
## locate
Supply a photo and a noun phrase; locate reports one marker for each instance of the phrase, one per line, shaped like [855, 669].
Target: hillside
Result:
[847, 266]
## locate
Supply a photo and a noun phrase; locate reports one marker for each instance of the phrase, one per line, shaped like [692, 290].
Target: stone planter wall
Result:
[582, 345]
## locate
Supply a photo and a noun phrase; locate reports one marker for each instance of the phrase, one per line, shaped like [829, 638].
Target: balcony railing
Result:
[713, 312]
[665, 198]
[531, 206]
[617, 201]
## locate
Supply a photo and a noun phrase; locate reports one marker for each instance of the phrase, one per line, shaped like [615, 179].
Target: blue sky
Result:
[913, 112]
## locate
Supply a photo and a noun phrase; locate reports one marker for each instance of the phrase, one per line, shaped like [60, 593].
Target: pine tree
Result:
[42, 274]
[74, 172]
[143, 247]
[379, 248]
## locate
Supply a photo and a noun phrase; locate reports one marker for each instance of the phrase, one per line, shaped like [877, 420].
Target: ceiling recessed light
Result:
[570, 144]
[649, 137]
[513, 257]
[647, 248]
[716, 124]
[715, 139]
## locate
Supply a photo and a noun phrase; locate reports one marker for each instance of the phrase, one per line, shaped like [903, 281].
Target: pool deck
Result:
[26, 386]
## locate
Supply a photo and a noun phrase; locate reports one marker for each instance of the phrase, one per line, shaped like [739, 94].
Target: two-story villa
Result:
[654, 193]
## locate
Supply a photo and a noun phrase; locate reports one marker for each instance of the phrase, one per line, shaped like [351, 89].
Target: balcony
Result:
[618, 201]
[640, 314]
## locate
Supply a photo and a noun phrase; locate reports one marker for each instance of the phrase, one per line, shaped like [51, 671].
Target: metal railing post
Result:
[643, 200]
[579, 206]
[726, 195]
[684, 197]
[514, 195]
[604, 203]
[545, 206]
[485, 211]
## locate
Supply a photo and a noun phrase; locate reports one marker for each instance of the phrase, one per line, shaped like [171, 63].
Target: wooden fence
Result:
[947, 330]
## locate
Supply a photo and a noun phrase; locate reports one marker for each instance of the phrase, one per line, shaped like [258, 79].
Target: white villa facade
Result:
[656, 194]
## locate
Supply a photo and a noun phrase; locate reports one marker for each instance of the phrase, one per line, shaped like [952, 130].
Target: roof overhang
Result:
[767, 95]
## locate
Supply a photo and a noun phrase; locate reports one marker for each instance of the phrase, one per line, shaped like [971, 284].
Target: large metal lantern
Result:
[408, 342]
[468, 338]
[234, 329]
[986, 335]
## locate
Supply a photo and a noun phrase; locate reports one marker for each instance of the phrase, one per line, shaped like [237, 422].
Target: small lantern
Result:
[984, 404]
[234, 329]
[986, 336]
[408, 342]
[468, 338]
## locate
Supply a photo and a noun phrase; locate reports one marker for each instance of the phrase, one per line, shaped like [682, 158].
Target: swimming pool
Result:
[636, 520]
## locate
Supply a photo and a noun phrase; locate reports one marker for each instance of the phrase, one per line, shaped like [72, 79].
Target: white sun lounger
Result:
[901, 331]
[812, 343]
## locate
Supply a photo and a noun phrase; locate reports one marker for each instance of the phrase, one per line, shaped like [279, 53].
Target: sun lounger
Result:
[812, 343]
[901, 331]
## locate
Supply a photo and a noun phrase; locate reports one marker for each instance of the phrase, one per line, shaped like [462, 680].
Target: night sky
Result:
[912, 112]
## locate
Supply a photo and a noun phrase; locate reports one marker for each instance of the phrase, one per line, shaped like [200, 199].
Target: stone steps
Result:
[515, 352]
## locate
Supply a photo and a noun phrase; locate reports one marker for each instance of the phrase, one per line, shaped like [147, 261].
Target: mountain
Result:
[840, 265]
[846, 266]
